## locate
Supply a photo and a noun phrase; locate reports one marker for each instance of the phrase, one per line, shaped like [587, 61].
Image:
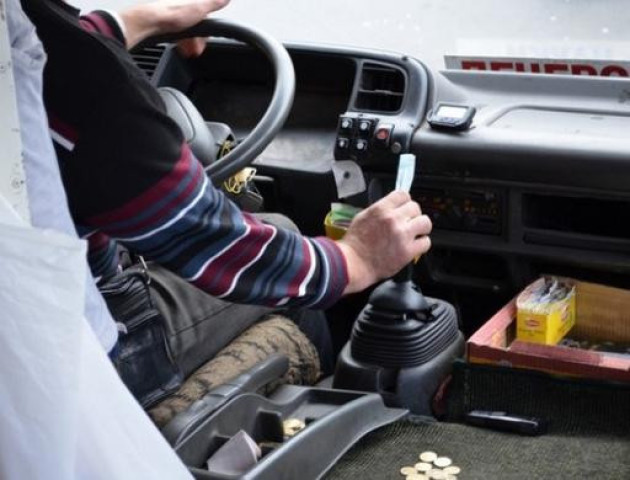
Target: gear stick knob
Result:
[394, 329]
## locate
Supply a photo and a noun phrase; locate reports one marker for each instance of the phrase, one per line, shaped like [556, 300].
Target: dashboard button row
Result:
[358, 134]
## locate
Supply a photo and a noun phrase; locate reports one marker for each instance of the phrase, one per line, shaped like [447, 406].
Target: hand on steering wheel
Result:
[165, 16]
[279, 106]
[191, 47]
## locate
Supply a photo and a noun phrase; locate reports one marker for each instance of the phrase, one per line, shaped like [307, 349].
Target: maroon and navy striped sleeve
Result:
[130, 176]
[187, 225]
[102, 254]
[103, 22]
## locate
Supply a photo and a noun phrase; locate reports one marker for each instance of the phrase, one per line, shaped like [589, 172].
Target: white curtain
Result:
[64, 412]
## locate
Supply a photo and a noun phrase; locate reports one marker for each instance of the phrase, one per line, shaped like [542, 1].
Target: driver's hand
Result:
[168, 16]
[191, 47]
[383, 238]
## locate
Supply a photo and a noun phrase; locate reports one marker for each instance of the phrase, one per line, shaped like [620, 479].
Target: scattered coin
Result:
[423, 467]
[428, 457]
[291, 426]
[436, 474]
[406, 471]
[417, 476]
[442, 462]
[452, 470]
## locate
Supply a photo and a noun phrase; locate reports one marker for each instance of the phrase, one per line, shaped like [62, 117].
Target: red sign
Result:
[600, 68]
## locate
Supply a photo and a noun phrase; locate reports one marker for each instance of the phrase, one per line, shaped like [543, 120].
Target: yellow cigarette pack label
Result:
[544, 322]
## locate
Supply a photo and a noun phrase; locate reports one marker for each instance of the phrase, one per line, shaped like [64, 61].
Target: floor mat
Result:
[570, 406]
[588, 430]
[484, 454]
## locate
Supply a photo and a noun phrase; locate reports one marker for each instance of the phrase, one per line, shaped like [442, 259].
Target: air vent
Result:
[382, 89]
[148, 58]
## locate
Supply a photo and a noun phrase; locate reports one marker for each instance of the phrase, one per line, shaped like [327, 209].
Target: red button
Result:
[382, 134]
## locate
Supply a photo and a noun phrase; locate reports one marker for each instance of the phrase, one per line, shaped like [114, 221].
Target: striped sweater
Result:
[131, 179]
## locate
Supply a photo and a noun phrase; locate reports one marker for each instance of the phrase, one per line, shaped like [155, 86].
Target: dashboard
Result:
[540, 182]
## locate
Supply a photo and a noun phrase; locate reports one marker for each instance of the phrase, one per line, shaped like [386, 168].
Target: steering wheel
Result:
[277, 110]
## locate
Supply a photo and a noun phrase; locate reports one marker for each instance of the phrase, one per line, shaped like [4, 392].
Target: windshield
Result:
[430, 29]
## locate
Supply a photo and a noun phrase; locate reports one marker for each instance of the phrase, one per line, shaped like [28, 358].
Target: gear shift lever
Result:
[408, 294]
[402, 344]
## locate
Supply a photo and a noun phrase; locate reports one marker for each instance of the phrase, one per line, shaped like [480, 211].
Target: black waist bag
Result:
[143, 360]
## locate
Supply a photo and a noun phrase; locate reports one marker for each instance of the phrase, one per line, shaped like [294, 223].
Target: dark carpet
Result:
[588, 434]
[484, 454]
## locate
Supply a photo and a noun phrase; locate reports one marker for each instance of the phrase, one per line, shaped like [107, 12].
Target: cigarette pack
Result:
[545, 311]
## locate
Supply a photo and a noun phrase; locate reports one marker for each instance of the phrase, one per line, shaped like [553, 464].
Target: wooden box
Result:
[602, 314]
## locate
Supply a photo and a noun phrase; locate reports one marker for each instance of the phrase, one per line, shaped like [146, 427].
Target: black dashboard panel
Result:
[555, 130]
[539, 184]
[233, 84]
[388, 104]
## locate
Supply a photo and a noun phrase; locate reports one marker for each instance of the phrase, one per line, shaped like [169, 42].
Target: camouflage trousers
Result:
[213, 341]
[275, 334]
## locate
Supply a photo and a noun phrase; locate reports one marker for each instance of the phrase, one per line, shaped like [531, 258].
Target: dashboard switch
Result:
[383, 134]
[365, 127]
[346, 124]
[343, 143]
[361, 145]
